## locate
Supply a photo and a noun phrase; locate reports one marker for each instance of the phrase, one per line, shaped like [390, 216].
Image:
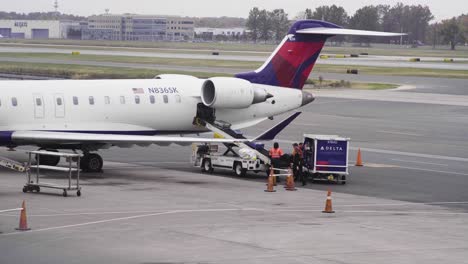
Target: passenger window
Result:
[177, 98]
[166, 99]
[106, 99]
[59, 101]
[38, 101]
[91, 100]
[137, 99]
[14, 101]
[152, 99]
[75, 100]
[122, 99]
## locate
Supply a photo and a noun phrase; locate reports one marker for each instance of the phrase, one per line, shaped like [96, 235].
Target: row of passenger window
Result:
[14, 101]
[107, 100]
[122, 99]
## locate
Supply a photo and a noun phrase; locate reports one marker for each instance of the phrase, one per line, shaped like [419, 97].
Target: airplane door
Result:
[38, 106]
[59, 105]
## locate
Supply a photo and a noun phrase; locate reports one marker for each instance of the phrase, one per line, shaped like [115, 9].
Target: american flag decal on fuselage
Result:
[138, 90]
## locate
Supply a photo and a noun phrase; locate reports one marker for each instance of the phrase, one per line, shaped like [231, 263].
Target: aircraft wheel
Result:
[91, 163]
[49, 160]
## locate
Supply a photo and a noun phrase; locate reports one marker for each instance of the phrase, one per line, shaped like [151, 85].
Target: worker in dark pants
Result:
[275, 154]
[295, 161]
[298, 163]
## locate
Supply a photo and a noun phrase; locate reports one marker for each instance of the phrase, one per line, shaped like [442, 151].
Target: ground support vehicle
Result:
[326, 158]
[238, 160]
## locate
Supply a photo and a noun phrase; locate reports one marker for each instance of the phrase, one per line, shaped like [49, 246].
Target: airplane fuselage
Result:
[133, 107]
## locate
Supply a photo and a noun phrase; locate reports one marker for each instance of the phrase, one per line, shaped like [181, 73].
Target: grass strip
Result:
[68, 71]
[319, 68]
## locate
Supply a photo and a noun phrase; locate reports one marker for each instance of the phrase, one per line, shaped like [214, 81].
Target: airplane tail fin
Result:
[292, 61]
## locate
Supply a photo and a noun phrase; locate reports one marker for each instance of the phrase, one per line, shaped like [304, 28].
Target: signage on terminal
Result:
[21, 24]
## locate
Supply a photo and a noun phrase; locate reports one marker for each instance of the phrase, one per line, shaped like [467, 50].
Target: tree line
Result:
[40, 16]
[415, 20]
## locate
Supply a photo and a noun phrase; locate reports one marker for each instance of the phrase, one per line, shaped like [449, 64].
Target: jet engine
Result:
[225, 92]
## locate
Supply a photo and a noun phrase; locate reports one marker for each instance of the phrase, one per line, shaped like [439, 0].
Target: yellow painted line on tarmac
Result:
[379, 165]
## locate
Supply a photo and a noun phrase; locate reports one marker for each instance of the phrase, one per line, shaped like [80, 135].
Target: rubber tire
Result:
[25, 189]
[238, 170]
[78, 193]
[49, 160]
[64, 193]
[343, 180]
[91, 163]
[206, 166]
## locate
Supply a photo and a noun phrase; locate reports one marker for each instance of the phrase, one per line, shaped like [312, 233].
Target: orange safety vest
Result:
[276, 153]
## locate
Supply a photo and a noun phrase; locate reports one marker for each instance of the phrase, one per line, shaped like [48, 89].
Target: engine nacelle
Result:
[225, 92]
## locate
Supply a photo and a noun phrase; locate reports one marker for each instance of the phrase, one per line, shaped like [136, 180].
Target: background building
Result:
[138, 28]
[104, 27]
[30, 29]
[210, 34]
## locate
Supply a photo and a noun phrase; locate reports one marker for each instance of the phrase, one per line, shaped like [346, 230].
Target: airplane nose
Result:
[307, 98]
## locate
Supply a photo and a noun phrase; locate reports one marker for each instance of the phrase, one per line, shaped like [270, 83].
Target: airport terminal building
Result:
[138, 28]
[30, 29]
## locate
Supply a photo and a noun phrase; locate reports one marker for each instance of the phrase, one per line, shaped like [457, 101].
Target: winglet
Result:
[271, 133]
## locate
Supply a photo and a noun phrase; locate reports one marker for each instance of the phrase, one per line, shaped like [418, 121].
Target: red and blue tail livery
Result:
[293, 60]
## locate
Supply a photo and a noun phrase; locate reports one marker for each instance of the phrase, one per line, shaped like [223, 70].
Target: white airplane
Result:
[88, 115]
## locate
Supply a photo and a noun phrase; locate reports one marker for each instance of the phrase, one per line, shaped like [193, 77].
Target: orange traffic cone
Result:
[23, 222]
[290, 186]
[328, 204]
[359, 158]
[271, 184]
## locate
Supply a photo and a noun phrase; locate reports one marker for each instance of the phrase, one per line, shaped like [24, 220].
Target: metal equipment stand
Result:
[34, 184]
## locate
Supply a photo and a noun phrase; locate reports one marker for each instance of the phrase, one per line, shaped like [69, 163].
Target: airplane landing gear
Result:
[91, 162]
[49, 160]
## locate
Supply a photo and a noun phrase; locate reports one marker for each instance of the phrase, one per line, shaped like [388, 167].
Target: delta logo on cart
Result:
[331, 152]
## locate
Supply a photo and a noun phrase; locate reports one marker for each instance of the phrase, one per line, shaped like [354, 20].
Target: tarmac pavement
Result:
[140, 214]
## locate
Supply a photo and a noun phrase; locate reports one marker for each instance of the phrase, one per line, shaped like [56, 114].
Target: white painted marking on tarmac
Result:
[11, 210]
[383, 204]
[439, 171]
[399, 133]
[421, 162]
[383, 211]
[241, 208]
[411, 154]
[130, 218]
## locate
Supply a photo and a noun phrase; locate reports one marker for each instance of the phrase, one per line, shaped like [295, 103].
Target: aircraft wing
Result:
[73, 138]
[345, 31]
[65, 138]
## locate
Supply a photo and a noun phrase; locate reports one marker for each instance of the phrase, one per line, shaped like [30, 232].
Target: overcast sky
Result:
[441, 9]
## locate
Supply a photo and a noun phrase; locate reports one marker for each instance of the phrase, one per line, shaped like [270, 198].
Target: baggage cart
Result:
[34, 183]
[326, 158]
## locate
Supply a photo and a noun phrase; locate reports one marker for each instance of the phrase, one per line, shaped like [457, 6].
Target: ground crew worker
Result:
[298, 163]
[294, 161]
[275, 154]
[303, 175]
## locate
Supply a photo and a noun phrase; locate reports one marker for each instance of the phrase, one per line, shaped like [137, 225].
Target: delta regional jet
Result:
[89, 115]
